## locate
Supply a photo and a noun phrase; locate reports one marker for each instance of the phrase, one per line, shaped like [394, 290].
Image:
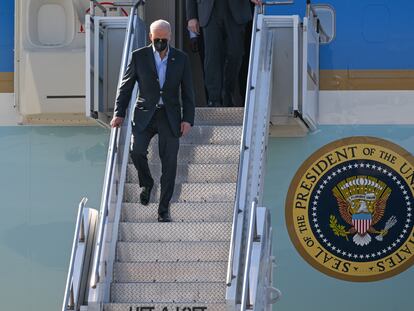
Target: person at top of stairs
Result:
[160, 71]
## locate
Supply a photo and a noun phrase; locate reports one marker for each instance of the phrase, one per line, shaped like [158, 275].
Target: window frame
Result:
[330, 8]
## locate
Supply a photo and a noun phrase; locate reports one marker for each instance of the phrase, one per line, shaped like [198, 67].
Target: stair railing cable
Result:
[113, 153]
[69, 300]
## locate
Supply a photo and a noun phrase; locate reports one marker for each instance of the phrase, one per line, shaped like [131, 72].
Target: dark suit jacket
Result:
[142, 69]
[201, 9]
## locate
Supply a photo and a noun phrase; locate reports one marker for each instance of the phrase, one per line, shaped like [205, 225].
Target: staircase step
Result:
[170, 271]
[174, 231]
[192, 173]
[209, 134]
[222, 212]
[182, 265]
[219, 116]
[187, 192]
[189, 153]
[165, 307]
[168, 292]
[172, 251]
[219, 135]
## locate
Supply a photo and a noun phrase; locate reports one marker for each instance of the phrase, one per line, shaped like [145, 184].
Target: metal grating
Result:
[170, 271]
[172, 251]
[188, 212]
[190, 153]
[219, 116]
[208, 173]
[187, 192]
[175, 231]
[168, 292]
[207, 134]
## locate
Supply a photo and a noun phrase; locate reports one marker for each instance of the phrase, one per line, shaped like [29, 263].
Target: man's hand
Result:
[185, 128]
[257, 2]
[116, 121]
[194, 25]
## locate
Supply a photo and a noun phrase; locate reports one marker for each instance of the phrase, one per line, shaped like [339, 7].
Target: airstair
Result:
[182, 263]
[217, 253]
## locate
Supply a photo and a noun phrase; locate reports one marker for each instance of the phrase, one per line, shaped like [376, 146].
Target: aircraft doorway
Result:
[175, 13]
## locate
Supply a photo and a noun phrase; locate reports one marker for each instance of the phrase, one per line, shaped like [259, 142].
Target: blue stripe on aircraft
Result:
[370, 34]
[7, 36]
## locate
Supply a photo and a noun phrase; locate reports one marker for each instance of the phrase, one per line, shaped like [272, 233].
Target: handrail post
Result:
[246, 299]
[249, 303]
[69, 302]
[308, 7]
[256, 235]
[92, 7]
[82, 231]
[71, 305]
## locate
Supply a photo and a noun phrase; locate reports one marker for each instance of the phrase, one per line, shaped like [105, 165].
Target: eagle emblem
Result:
[362, 201]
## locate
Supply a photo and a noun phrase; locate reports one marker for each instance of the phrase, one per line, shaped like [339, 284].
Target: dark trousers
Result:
[168, 145]
[224, 49]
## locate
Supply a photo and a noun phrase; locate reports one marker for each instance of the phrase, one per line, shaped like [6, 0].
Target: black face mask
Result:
[160, 44]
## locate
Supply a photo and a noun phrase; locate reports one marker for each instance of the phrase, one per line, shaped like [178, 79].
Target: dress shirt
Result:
[161, 65]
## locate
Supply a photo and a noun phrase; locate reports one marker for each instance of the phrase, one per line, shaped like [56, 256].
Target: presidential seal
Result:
[349, 209]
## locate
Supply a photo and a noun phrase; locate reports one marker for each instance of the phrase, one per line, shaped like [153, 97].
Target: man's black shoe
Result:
[165, 218]
[145, 195]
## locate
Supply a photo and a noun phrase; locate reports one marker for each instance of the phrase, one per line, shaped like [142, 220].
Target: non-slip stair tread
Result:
[187, 212]
[172, 251]
[168, 292]
[210, 134]
[199, 153]
[191, 173]
[184, 271]
[187, 192]
[175, 231]
[219, 116]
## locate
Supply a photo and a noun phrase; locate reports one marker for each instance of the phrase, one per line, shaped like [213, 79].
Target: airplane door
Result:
[310, 72]
[104, 36]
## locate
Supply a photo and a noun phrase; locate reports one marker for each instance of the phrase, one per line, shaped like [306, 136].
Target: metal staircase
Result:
[217, 252]
[182, 263]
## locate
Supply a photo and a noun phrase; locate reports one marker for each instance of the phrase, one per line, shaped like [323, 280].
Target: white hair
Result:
[160, 24]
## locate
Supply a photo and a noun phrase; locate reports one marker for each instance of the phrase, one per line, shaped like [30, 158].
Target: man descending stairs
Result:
[182, 265]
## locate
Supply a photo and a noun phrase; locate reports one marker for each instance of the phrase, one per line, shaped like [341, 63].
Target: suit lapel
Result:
[152, 60]
[170, 65]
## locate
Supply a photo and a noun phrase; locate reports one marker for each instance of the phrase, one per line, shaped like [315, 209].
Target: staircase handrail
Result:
[252, 158]
[69, 300]
[113, 152]
[243, 149]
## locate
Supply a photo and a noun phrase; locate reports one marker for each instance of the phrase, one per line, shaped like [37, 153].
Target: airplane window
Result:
[327, 17]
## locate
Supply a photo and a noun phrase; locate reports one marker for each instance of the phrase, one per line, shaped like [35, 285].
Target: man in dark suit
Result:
[223, 23]
[160, 71]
